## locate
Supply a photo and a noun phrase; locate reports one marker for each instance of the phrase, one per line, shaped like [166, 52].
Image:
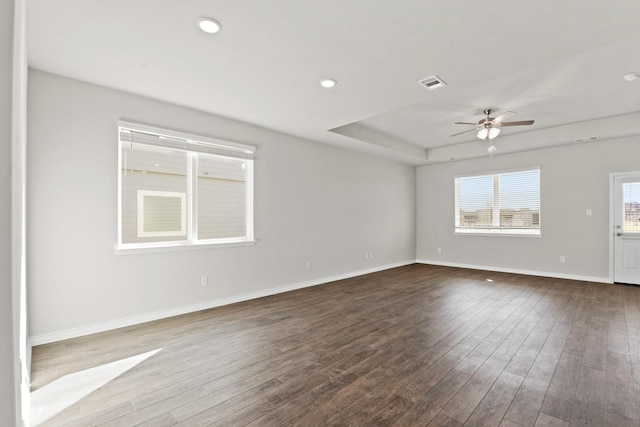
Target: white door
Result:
[626, 223]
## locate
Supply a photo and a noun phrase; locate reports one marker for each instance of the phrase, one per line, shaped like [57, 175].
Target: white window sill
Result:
[514, 233]
[173, 246]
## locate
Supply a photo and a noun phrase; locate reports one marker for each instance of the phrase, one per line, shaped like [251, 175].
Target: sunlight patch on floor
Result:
[59, 395]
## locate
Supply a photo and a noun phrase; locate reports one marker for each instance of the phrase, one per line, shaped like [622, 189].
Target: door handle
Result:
[618, 234]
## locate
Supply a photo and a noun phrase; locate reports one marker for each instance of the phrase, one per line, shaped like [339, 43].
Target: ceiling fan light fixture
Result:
[489, 133]
[489, 127]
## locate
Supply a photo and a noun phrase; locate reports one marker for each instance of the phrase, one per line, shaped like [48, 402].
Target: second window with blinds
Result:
[498, 203]
[182, 190]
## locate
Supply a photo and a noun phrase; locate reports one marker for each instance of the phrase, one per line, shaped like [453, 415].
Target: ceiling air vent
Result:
[432, 82]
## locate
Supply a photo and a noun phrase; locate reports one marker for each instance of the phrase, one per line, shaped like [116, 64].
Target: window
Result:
[162, 213]
[181, 190]
[631, 208]
[501, 203]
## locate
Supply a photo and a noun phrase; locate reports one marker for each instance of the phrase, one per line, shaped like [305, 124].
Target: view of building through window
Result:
[499, 203]
[181, 190]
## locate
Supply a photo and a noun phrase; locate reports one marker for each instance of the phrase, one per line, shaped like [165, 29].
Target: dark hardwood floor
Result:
[417, 345]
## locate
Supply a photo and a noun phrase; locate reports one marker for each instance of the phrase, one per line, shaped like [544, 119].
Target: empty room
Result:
[293, 213]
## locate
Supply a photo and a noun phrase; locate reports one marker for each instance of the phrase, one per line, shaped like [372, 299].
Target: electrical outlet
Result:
[562, 259]
[439, 250]
[204, 281]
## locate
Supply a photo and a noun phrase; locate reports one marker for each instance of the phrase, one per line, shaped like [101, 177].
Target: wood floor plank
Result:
[98, 418]
[496, 401]
[545, 420]
[215, 406]
[561, 400]
[462, 405]
[164, 420]
[633, 334]
[425, 408]
[526, 405]
[412, 379]
[556, 340]
[514, 340]
[617, 337]
[415, 345]
[367, 369]
[621, 398]
[527, 353]
[575, 342]
[614, 420]
[590, 398]
[444, 421]
[481, 352]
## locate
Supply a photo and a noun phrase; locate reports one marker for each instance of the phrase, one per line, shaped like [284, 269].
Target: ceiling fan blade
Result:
[520, 123]
[465, 123]
[465, 131]
[503, 116]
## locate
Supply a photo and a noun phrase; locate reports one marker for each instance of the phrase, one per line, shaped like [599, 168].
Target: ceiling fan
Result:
[489, 127]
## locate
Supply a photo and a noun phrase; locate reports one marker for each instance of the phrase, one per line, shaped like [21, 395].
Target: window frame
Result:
[191, 145]
[495, 229]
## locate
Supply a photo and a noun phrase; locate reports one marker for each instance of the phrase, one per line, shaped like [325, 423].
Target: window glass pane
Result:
[178, 189]
[507, 203]
[154, 185]
[476, 201]
[221, 196]
[519, 199]
[631, 200]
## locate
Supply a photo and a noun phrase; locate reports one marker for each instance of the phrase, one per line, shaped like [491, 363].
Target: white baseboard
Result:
[518, 271]
[135, 320]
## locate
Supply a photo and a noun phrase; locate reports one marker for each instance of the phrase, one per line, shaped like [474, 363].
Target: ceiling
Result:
[560, 62]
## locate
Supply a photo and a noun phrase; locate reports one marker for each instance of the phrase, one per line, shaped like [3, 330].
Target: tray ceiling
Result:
[560, 63]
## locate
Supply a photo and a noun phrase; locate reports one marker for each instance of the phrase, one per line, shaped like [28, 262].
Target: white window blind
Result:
[180, 189]
[631, 209]
[503, 203]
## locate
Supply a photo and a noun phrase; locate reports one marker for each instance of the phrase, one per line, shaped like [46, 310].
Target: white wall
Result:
[573, 179]
[7, 360]
[312, 202]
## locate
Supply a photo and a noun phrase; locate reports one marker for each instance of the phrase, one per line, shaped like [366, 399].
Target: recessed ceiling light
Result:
[328, 83]
[208, 25]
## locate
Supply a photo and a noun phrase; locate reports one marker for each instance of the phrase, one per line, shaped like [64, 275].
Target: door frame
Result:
[612, 219]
